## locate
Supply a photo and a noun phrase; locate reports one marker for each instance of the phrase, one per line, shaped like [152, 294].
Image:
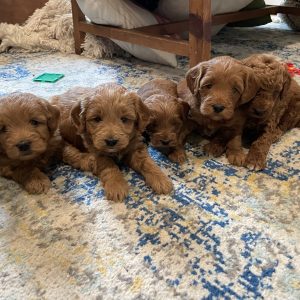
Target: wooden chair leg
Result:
[79, 36]
[200, 22]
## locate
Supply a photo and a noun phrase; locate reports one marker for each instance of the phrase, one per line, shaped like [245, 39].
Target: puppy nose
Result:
[218, 108]
[165, 142]
[259, 112]
[111, 142]
[24, 146]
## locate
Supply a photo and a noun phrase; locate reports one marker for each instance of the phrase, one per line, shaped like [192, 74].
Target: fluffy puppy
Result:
[82, 159]
[220, 88]
[274, 82]
[169, 124]
[275, 108]
[28, 140]
[220, 85]
[106, 123]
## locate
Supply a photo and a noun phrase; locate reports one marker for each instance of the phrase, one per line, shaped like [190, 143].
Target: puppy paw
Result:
[116, 191]
[214, 149]
[255, 162]
[6, 172]
[236, 158]
[160, 184]
[38, 185]
[178, 156]
[88, 163]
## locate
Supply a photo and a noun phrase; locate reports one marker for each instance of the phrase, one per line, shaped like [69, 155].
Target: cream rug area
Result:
[225, 232]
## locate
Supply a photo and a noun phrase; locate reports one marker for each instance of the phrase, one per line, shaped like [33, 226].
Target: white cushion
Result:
[125, 14]
[177, 10]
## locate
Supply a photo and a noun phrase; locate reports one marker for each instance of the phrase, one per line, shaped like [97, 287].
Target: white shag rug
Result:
[51, 28]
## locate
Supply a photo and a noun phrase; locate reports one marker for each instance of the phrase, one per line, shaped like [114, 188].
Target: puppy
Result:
[82, 159]
[220, 88]
[106, 123]
[275, 108]
[28, 140]
[169, 124]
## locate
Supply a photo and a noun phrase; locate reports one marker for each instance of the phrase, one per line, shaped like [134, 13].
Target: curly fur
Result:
[220, 88]
[169, 124]
[274, 110]
[102, 125]
[28, 140]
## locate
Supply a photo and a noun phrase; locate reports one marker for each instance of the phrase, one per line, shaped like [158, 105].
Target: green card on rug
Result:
[48, 77]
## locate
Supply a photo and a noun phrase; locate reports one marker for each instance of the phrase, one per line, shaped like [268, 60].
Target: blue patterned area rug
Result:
[225, 232]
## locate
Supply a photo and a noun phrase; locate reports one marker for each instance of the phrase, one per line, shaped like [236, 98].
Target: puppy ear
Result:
[77, 117]
[143, 112]
[251, 86]
[151, 121]
[185, 108]
[53, 115]
[194, 76]
[53, 120]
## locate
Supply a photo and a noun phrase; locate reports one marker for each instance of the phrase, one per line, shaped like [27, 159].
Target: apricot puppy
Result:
[28, 140]
[220, 87]
[106, 123]
[169, 124]
[275, 108]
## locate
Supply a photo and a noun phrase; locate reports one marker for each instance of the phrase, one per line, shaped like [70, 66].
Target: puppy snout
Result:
[24, 146]
[258, 112]
[165, 142]
[111, 142]
[218, 108]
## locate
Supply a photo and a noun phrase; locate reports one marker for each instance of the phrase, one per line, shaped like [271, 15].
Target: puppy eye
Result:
[97, 119]
[208, 86]
[235, 90]
[34, 122]
[124, 120]
[2, 129]
[260, 92]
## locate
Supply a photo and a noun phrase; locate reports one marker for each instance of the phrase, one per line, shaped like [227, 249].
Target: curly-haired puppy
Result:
[28, 140]
[169, 124]
[220, 88]
[275, 108]
[107, 122]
